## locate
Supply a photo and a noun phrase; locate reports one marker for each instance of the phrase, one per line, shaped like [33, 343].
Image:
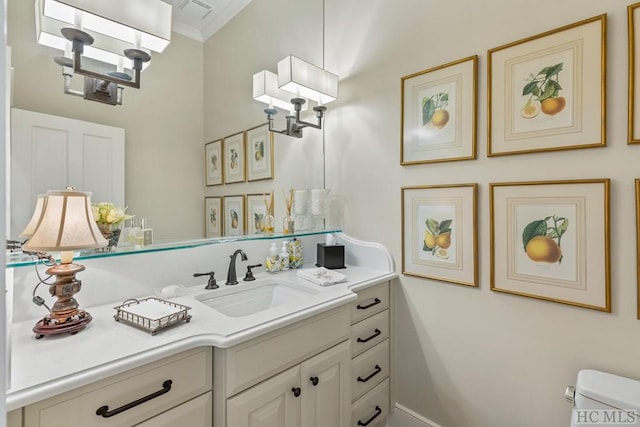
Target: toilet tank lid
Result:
[613, 390]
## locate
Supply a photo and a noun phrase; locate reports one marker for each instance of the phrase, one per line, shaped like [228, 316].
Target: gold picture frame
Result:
[259, 153]
[234, 158]
[234, 216]
[539, 89]
[213, 217]
[637, 182]
[439, 113]
[439, 233]
[213, 163]
[539, 234]
[633, 119]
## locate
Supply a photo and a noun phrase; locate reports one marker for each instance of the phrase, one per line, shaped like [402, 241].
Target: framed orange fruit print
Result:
[547, 92]
[550, 240]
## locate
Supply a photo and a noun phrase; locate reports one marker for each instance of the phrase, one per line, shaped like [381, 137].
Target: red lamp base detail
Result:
[72, 325]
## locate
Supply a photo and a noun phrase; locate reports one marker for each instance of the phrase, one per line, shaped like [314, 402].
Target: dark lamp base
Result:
[51, 326]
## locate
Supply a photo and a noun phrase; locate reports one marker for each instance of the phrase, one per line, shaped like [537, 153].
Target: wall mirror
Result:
[191, 94]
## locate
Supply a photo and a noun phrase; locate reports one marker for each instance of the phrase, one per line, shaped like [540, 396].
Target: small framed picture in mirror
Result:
[213, 216]
[213, 162]
[234, 217]
[259, 153]
[234, 158]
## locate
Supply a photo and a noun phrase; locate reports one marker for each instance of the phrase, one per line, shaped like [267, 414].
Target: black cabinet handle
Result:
[364, 307]
[104, 412]
[371, 375]
[314, 381]
[296, 391]
[375, 334]
[366, 423]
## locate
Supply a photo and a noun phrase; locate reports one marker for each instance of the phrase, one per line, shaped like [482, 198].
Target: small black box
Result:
[330, 256]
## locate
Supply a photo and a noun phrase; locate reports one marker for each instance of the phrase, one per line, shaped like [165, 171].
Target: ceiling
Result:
[200, 19]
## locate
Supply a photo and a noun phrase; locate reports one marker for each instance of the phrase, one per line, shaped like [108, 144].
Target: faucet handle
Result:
[211, 284]
[249, 276]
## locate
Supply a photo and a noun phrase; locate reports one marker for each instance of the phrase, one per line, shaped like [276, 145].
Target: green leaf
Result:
[445, 225]
[428, 108]
[529, 88]
[444, 97]
[425, 247]
[552, 233]
[536, 91]
[432, 225]
[563, 224]
[552, 71]
[533, 229]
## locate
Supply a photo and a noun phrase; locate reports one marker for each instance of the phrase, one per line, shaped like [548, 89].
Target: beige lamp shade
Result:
[307, 80]
[35, 218]
[66, 224]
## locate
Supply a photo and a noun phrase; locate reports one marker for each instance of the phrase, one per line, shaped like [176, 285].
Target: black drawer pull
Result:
[296, 391]
[364, 307]
[104, 412]
[366, 423]
[375, 334]
[314, 381]
[371, 375]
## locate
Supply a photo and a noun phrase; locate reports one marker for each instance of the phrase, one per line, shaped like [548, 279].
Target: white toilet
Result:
[600, 399]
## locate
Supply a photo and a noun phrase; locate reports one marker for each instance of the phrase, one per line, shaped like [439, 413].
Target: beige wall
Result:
[256, 39]
[163, 122]
[473, 357]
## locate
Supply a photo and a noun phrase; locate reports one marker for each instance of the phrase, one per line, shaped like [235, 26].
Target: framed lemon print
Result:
[547, 92]
[439, 113]
[259, 153]
[550, 241]
[439, 233]
[234, 158]
[633, 128]
[234, 217]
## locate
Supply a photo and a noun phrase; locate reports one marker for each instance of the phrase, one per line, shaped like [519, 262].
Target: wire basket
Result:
[151, 314]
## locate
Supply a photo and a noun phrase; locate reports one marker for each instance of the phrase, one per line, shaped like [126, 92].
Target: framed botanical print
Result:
[213, 216]
[234, 218]
[213, 162]
[439, 113]
[550, 241]
[439, 233]
[638, 244]
[256, 213]
[259, 153]
[547, 92]
[633, 128]
[234, 158]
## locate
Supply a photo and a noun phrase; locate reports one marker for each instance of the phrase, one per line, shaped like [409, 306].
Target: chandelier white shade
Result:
[307, 80]
[116, 25]
[265, 89]
[66, 224]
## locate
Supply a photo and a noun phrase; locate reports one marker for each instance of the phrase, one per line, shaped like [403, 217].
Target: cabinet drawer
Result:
[189, 372]
[248, 363]
[372, 409]
[369, 369]
[195, 413]
[369, 332]
[370, 301]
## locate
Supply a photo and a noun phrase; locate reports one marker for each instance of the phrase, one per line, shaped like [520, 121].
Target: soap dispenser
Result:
[284, 256]
[272, 262]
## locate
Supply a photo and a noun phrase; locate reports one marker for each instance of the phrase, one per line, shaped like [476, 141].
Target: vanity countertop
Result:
[46, 367]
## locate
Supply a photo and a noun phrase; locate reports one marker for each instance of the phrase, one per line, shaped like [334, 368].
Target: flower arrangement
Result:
[107, 215]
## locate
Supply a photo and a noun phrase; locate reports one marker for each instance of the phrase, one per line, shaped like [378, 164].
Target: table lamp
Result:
[65, 224]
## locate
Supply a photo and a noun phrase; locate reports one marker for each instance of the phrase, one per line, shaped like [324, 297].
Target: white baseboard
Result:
[405, 417]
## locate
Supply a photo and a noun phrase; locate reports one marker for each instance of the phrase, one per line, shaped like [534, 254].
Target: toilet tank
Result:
[601, 399]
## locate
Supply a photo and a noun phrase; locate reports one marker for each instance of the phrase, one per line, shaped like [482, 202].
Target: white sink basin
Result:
[259, 297]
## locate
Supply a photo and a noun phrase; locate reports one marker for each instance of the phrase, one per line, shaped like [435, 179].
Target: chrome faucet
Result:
[232, 278]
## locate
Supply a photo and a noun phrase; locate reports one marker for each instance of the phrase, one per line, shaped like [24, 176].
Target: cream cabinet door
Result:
[272, 403]
[326, 394]
[194, 413]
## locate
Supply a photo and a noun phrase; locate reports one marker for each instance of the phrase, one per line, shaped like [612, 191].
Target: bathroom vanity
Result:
[302, 355]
